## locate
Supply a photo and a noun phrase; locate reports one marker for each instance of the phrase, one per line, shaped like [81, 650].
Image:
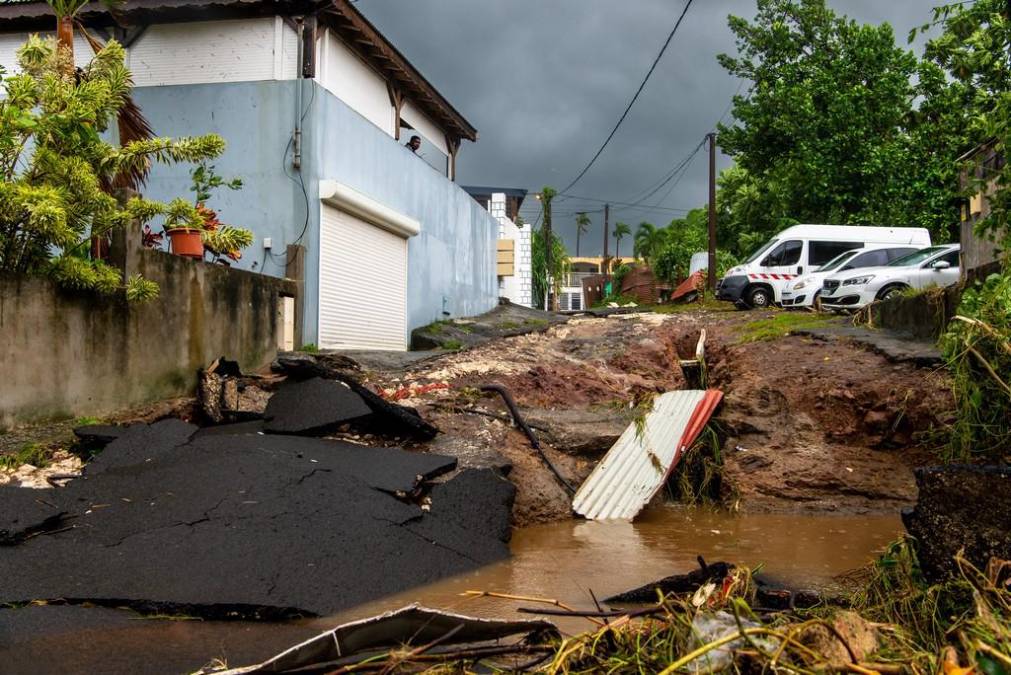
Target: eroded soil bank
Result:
[812, 426]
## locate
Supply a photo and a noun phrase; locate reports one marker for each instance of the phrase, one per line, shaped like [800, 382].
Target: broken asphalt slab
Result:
[506, 320]
[388, 419]
[259, 526]
[139, 443]
[313, 407]
[896, 347]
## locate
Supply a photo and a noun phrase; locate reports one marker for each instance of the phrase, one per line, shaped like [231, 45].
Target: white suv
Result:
[933, 266]
[806, 292]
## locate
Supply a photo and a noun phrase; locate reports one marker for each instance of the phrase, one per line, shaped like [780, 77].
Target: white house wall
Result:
[252, 50]
[353, 81]
[244, 50]
[421, 123]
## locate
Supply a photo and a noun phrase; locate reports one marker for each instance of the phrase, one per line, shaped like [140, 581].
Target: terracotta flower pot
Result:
[187, 243]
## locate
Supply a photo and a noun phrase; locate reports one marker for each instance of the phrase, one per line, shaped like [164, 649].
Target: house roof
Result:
[338, 15]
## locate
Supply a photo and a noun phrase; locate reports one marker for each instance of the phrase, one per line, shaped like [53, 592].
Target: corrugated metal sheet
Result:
[636, 467]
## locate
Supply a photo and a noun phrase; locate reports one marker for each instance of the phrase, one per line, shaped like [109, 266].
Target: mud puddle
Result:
[563, 560]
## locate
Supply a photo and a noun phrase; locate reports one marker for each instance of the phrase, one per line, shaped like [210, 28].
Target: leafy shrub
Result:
[977, 347]
[57, 172]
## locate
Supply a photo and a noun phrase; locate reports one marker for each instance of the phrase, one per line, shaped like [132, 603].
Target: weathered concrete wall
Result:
[69, 354]
[924, 316]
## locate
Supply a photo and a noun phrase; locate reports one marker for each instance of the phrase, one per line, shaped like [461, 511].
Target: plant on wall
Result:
[217, 238]
[56, 168]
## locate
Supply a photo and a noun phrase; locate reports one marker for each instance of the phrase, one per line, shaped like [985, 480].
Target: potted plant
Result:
[184, 227]
[194, 230]
[218, 239]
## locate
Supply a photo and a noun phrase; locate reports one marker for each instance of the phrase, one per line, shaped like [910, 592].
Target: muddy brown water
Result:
[562, 561]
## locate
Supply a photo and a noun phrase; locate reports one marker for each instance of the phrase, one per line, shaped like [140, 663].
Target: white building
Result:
[513, 256]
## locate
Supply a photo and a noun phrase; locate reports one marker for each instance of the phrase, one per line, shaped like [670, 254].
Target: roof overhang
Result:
[338, 15]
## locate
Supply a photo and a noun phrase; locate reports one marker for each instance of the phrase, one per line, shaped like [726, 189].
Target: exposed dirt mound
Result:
[822, 425]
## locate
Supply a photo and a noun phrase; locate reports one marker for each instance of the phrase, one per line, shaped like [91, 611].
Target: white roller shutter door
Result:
[362, 284]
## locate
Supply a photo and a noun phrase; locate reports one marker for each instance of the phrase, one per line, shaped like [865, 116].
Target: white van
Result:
[760, 280]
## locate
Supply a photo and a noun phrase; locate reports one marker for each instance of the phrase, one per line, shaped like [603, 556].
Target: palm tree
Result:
[643, 242]
[582, 226]
[131, 121]
[621, 230]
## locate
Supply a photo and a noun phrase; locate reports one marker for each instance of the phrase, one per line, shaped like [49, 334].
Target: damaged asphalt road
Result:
[249, 526]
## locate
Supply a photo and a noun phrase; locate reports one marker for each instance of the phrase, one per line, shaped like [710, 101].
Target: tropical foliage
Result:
[974, 75]
[839, 126]
[582, 226]
[58, 170]
[621, 230]
[543, 241]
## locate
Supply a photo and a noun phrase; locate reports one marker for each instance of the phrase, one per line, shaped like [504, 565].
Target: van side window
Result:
[787, 253]
[820, 252]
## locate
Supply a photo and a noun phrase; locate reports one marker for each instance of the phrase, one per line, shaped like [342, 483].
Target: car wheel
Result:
[891, 291]
[759, 297]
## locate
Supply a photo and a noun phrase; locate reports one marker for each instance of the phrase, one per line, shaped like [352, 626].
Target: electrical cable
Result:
[628, 108]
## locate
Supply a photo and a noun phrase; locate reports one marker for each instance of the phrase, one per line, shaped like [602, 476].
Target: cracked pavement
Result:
[248, 526]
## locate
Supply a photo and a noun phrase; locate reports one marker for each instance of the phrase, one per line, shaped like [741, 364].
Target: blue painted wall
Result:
[451, 264]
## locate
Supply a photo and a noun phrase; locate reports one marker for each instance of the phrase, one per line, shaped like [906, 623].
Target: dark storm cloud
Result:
[544, 81]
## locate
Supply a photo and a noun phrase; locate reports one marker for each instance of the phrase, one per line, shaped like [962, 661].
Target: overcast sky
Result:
[544, 81]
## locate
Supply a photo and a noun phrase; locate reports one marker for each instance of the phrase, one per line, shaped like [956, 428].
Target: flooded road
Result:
[563, 561]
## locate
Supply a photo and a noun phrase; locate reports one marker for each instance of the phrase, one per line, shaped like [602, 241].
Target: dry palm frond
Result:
[132, 125]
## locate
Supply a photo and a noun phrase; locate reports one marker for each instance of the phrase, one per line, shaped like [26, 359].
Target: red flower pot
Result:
[187, 243]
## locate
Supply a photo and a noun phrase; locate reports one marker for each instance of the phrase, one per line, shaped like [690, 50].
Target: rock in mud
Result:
[259, 526]
[313, 408]
[960, 507]
[578, 432]
[853, 640]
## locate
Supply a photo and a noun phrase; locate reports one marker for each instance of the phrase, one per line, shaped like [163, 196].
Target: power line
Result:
[634, 98]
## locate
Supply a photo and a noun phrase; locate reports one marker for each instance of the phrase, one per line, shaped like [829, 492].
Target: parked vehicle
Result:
[806, 291]
[759, 281]
[932, 266]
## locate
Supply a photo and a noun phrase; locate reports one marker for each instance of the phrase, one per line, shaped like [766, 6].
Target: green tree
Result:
[685, 236]
[56, 168]
[559, 265]
[829, 132]
[582, 226]
[648, 242]
[621, 230]
[972, 94]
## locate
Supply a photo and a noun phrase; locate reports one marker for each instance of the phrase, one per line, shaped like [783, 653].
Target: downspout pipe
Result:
[296, 160]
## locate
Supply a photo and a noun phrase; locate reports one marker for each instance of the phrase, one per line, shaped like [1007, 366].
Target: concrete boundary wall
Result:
[70, 354]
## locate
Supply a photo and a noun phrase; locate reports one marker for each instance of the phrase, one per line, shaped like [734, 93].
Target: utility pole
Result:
[711, 282]
[607, 216]
[547, 194]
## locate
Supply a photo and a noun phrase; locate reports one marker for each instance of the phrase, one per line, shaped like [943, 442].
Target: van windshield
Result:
[838, 261]
[754, 256]
[917, 257]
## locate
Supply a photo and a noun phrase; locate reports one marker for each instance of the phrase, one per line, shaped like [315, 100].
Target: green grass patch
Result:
[780, 324]
[35, 454]
[86, 421]
[310, 348]
[535, 323]
[507, 325]
[708, 304]
[452, 345]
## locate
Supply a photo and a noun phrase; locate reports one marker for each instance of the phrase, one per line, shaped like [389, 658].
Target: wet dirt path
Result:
[563, 560]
